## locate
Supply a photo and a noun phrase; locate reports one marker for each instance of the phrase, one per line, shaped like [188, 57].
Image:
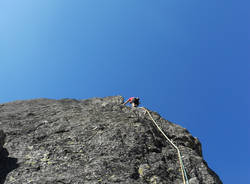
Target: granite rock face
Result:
[94, 141]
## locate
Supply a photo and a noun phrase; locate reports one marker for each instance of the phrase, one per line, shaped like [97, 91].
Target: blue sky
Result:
[187, 60]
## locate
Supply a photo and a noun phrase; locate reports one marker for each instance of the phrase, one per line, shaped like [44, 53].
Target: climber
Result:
[134, 101]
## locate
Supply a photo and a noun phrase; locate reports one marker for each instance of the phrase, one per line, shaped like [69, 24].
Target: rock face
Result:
[94, 141]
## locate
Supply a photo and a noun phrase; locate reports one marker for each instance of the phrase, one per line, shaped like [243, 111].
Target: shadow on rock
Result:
[7, 164]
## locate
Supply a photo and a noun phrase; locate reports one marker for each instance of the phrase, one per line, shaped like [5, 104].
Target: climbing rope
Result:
[183, 171]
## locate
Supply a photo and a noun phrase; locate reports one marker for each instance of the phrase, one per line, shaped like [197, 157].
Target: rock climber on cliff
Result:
[134, 101]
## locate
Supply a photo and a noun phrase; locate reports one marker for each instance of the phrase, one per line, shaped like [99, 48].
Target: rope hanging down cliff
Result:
[183, 171]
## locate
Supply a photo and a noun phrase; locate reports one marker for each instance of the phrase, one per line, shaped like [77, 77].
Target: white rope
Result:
[183, 171]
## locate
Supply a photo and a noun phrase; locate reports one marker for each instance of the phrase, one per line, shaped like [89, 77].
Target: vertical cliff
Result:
[92, 141]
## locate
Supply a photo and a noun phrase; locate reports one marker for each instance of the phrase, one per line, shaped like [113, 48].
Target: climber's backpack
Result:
[136, 100]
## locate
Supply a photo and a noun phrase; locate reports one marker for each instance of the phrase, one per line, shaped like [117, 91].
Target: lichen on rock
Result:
[96, 140]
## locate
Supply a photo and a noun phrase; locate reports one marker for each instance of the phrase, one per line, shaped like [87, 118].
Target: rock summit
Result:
[94, 141]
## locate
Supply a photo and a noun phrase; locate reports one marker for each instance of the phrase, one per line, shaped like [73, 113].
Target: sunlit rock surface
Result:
[93, 141]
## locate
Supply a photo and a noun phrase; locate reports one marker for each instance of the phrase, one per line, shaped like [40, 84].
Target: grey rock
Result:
[194, 181]
[96, 141]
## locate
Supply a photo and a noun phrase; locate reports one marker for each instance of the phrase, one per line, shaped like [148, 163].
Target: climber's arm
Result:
[125, 102]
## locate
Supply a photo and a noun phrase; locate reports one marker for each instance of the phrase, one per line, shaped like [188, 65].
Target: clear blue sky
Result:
[187, 60]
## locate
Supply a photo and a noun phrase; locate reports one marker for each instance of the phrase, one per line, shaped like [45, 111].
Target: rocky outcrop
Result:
[94, 141]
